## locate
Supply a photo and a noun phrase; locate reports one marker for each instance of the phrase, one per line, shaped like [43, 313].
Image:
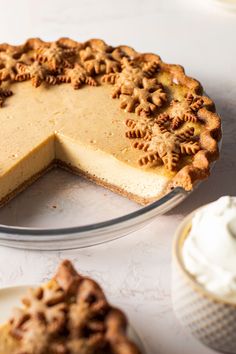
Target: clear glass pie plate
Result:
[63, 211]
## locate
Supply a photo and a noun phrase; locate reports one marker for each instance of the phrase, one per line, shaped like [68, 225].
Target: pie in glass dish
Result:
[68, 315]
[123, 119]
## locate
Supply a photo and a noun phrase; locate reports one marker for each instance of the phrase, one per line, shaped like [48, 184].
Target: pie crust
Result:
[68, 315]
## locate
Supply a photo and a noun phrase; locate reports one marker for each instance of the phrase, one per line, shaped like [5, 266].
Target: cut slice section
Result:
[106, 170]
[28, 169]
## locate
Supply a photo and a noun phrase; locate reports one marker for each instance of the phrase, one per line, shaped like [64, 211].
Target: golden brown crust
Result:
[135, 79]
[69, 315]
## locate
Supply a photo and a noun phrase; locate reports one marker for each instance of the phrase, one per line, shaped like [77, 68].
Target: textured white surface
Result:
[135, 271]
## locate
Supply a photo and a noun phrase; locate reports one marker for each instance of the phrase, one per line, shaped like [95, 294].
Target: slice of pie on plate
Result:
[125, 120]
[68, 315]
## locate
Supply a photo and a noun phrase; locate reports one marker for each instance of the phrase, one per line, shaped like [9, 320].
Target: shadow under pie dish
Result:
[69, 314]
[125, 120]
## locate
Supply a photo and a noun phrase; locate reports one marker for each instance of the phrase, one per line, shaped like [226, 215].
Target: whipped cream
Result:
[209, 252]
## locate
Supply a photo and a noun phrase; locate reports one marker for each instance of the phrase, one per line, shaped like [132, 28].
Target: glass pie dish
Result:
[64, 211]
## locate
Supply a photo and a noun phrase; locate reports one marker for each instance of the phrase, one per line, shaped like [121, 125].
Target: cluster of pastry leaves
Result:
[71, 316]
[160, 137]
[54, 63]
[79, 64]
[139, 90]
[134, 85]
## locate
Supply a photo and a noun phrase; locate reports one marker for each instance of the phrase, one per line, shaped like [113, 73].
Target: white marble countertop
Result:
[135, 271]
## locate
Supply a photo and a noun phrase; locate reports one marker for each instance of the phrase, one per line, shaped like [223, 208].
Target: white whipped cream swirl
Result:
[209, 252]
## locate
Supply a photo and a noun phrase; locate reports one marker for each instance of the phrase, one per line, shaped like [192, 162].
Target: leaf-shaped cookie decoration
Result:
[162, 146]
[77, 76]
[55, 55]
[4, 93]
[182, 111]
[35, 72]
[138, 92]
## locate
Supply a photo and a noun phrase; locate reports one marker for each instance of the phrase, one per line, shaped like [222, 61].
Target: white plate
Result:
[10, 298]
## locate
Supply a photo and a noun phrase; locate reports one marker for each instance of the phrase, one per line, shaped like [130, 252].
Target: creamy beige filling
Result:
[32, 164]
[91, 161]
[109, 169]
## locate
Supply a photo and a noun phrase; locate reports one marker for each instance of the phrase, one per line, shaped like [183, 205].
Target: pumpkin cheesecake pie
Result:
[125, 120]
[68, 315]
